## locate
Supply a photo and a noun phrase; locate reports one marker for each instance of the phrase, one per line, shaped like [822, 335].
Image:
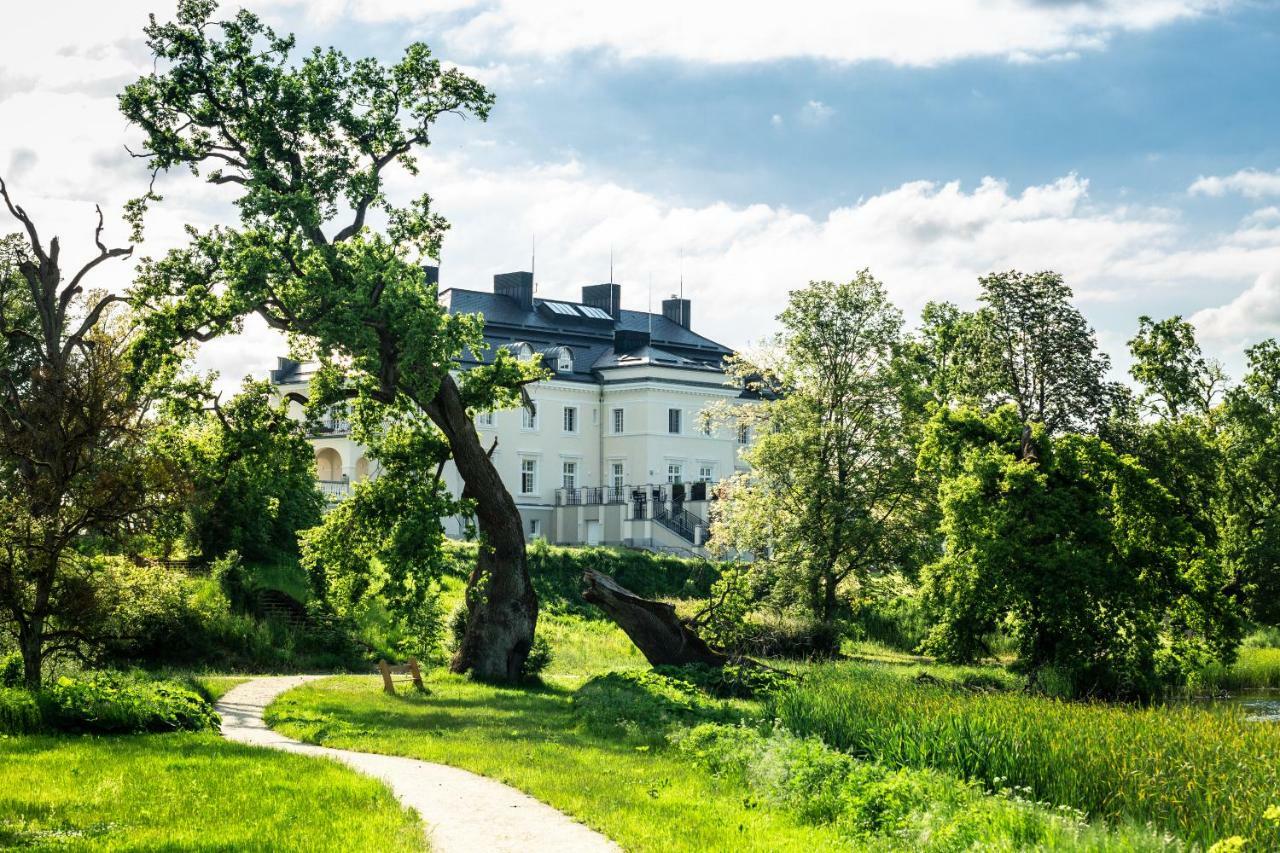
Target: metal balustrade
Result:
[640, 495]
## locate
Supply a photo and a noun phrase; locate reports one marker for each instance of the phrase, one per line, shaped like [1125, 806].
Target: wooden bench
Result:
[410, 669]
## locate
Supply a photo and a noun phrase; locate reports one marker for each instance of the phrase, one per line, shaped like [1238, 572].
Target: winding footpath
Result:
[462, 811]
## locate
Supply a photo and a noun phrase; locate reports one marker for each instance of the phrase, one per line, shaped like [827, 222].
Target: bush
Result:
[792, 637]
[19, 712]
[557, 572]
[893, 617]
[111, 703]
[12, 672]
[732, 681]
[538, 659]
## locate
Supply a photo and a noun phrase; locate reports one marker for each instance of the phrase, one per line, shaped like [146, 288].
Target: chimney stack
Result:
[432, 278]
[676, 310]
[517, 286]
[606, 297]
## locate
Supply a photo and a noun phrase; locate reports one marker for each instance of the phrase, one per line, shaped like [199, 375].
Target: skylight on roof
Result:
[592, 311]
[562, 308]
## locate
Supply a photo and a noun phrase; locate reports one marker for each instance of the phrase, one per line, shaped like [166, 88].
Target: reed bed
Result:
[1200, 774]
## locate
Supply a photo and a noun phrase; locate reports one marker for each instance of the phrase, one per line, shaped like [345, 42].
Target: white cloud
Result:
[902, 32]
[775, 120]
[1250, 183]
[1251, 316]
[816, 112]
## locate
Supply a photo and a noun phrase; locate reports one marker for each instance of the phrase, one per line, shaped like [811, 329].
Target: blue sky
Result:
[754, 146]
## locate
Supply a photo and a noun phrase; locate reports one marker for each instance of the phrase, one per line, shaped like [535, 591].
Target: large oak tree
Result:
[305, 143]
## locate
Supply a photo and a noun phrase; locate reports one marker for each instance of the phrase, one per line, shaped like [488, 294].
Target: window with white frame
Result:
[673, 421]
[675, 472]
[744, 434]
[484, 419]
[706, 473]
[617, 473]
[564, 360]
[619, 421]
[570, 418]
[535, 528]
[569, 475]
[528, 476]
[529, 417]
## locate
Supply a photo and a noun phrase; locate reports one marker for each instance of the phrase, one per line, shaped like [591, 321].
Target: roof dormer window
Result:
[564, 360]
[521, 350]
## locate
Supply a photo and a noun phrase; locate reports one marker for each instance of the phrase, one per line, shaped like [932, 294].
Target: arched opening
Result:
[362, 468]
[328, 465]
[564, 360]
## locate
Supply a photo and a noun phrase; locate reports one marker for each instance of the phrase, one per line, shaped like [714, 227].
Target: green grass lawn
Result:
[216, 686]
[629, 785]
[186, 792]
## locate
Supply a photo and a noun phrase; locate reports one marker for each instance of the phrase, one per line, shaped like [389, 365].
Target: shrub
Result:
[110, 702]
[12, 673]
[557, 572]
[732, 681]
[1201, 774]
[792, 637]
[538, 659]
[19, 712]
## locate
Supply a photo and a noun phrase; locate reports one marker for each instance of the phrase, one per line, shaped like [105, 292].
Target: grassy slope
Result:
[185, 791]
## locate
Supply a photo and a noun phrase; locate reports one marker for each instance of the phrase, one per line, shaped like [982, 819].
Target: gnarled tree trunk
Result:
[652, 625]
[502, 607]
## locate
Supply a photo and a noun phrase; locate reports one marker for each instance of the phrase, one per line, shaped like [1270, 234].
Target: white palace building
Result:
[615, 452]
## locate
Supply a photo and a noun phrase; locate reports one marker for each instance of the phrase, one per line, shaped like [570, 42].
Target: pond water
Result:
[1258, 706]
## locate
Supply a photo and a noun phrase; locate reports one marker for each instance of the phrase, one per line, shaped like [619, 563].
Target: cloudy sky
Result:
[1132, 145]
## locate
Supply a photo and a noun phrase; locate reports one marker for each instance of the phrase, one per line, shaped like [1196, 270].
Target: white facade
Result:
[618, 452]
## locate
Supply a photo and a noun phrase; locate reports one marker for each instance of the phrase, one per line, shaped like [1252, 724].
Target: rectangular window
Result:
[675, 472]
[529, 417]
[619, 477]
[570, 475]
[706, 473]
[570, 418]
[744, 434]
[535, 528]
[673, 421]
[484, 419]
[619, 422]
[528, 476]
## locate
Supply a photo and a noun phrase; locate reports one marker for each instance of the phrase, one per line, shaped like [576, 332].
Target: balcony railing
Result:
[655, 493]
[331, 427]
[335, 489]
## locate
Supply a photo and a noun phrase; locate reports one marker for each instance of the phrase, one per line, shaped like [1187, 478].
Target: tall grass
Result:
[1254, 669]
[1198, 773]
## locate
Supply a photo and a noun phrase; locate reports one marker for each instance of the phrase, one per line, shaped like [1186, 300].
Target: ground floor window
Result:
[675, 472]
[706, 473]
[619, 476]
[528, 476]
[570, 475]
[535, 528]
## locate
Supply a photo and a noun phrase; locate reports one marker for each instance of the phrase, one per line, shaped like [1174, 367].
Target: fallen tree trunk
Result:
[652, 625]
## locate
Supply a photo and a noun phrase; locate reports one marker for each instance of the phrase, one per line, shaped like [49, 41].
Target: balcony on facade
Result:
[655, 493]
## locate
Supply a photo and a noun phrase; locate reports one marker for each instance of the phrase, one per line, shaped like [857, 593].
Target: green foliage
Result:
[19, 710]
[1076, 552]
[879, 806]
[1200, 774]
[832, 493]
[538, 659]
[252, 475]
[113, 703]
[557, 572]
[11, 670]
[1251, 446]
[1176, 377]
[892, 614]
[796, 637]
[732, 681]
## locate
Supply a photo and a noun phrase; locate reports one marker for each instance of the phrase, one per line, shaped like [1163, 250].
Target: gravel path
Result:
[462, 811]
